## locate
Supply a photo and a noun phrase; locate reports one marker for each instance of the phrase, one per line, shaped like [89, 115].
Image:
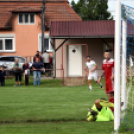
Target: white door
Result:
[75, 60]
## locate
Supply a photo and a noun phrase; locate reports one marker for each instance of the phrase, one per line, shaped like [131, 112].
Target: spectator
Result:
[26, 72]
[46, 59]
[17, 72]
[37, 55]
[51, 61]
[37, 66]
[2, 76]
[51, 64]
[40, 56]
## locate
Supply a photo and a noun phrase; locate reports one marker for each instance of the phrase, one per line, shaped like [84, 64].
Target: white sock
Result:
[90, 87]
[100, 84]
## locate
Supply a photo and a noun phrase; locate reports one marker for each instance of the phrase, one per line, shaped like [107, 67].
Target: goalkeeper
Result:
[101, 111]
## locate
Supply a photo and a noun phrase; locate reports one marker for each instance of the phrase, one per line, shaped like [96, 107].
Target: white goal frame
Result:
[117, 78]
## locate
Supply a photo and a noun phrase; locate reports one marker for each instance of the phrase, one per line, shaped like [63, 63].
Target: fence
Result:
[48, 74]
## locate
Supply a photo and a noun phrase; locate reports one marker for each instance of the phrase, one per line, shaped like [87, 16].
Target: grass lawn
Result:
[49, 108]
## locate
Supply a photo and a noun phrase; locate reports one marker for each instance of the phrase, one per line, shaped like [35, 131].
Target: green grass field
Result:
[50, 109]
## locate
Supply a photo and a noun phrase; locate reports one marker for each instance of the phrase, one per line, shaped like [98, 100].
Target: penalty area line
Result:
[94, 88]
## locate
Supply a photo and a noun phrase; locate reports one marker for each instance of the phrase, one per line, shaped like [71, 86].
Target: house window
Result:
[32, 18]
[7, 44]
[26, 18]
[47, 44]
[1, 46]
[20, 18]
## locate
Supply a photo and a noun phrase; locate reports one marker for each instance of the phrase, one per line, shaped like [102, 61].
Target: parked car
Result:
[7, 61]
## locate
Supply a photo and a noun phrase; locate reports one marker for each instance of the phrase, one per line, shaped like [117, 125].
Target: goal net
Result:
[124, 69]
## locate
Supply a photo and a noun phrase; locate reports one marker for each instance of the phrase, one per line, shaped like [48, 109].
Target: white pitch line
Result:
[94, 88]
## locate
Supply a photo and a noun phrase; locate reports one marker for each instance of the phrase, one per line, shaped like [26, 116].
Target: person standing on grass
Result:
[51, 64]
[26, 71]
[16, 67]
[37, 66]
[2, 76]
[108, 67]
[91, 72]
[46, 60]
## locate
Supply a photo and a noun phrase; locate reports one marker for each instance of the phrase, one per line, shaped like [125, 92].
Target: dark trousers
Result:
[46, 66]
[26, 79]
[2, 81]
[17, 76]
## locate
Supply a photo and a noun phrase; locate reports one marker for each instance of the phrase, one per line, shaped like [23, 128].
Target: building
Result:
[21, 32]
[72, 37]
[21, 24]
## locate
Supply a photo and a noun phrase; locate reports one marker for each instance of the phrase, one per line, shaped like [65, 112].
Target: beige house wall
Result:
[95, 49]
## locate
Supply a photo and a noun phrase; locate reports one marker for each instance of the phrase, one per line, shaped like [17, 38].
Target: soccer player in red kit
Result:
[108, 67]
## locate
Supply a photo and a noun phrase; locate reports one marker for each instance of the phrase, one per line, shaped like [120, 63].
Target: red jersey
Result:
[108, 67]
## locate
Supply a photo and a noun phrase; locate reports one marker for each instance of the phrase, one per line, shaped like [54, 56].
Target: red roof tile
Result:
[82, 28]
[26, 9]
[59, 10]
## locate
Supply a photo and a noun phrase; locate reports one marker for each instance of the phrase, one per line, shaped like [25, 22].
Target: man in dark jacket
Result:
[37, 67]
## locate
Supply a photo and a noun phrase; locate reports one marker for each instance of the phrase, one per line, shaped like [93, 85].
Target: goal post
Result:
[123, 69]
[123, 82]
[117, 66]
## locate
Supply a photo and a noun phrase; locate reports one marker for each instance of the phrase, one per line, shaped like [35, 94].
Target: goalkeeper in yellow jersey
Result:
[101, 111]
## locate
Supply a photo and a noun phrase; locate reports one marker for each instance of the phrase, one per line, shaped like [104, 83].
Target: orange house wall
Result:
[26, 37]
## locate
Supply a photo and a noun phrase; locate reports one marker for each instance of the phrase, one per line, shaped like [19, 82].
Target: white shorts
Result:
[93, 76]
[27, 72]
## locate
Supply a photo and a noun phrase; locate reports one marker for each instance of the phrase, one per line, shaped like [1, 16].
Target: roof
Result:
[97, 28]
[26, 9]
[56, 10]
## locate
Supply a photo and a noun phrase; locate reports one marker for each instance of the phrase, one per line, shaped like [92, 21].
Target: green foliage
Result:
[92, 9]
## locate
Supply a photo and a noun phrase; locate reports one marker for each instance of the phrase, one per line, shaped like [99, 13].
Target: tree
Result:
[92, 9]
